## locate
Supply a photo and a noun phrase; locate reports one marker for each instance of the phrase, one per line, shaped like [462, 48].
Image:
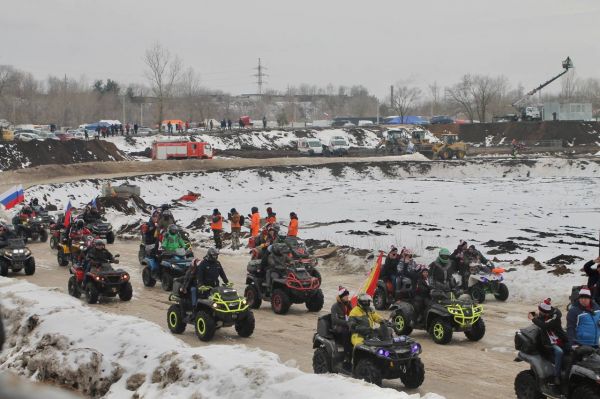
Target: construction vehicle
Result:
[449, 147]
[533, 113]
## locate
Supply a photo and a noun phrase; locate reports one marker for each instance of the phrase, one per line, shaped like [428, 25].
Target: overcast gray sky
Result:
[343, 42]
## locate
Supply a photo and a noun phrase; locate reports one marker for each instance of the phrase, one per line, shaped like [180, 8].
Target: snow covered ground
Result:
[53, 337]
[541, 208]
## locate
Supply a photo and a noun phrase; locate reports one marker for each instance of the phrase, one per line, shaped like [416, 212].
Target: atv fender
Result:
[406, 308]
[328, 344]
[582, 372]
[541, 368]
[434, 313]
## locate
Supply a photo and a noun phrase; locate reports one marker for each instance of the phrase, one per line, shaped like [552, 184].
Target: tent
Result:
[408, 120]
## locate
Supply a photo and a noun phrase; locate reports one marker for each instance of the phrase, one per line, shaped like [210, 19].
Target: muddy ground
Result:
[462, 369]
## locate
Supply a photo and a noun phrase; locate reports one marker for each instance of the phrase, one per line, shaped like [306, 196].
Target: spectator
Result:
[229, 123]
[135, 128]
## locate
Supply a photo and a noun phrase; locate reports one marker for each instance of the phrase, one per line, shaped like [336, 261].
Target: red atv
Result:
[102, 280]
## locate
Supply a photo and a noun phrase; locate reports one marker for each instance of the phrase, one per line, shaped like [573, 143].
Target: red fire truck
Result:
[181, 150]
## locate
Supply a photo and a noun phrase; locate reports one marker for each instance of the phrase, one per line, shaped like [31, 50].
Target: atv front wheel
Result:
[166, 282]
[205, 326]
[586, 391]
[280, 302]
[367, 371]
[253, 296]
[460, 154]
[526, 386]
[73, 288]
[43, 236]
[477, 293]
[53, 242]
[245, 327]
[3, 268]
[401, 323]
[142, 254]
[380, 299]
[147, 277]
[441, 331]
[321, 361]
[30, 267]
[61, 258]
[110, 238]
[502, 294]
[91, 293]
[126, 292]
[175, 319]
[415, 374]
[315, 302]
[477, 331]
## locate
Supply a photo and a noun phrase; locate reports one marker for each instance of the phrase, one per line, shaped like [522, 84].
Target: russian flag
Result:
[67, 221]
[14, 196]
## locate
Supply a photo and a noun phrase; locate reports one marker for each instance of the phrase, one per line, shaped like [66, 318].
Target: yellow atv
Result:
[449, 147]
[68, 253]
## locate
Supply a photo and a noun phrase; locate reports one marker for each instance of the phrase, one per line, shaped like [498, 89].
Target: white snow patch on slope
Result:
[86, 345]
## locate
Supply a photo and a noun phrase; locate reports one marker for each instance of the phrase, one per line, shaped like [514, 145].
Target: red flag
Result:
[370, 284]
[67, 221]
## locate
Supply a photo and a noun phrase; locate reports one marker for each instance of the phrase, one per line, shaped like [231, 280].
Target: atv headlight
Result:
[484, 279]
[215, 305]
[125, 277]
[415, 348]
[109, 226]
[383, 352]
[244, 301]
[27, 252]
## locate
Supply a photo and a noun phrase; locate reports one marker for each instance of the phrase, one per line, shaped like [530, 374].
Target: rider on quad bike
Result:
[340, 311]
[362, 320]
[79, 231]
[98, 254]
[442, 269]
[204, 273]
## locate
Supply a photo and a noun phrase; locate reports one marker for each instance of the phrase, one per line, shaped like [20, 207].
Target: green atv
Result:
[445, 314]
[217, 307]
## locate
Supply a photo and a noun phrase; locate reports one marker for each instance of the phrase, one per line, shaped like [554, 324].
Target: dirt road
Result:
[462, 369]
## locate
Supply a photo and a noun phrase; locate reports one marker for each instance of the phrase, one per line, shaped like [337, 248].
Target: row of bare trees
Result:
[173, 91]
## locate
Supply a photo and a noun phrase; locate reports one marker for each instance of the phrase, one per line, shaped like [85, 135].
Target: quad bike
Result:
[484, 280]
[289, 284]
[44, 215]
[145, 249]
[16, 256]
[578, 382]
[33, 229]
[385, 294]
[217, 307]
[380, 357]
[70, 253]
[57, 232]
[445, 314]
[102, 229]
[102, 280]
[171, 266]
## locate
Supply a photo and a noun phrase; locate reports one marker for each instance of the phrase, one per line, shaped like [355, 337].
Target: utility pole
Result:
[392, 96]
[260, 77]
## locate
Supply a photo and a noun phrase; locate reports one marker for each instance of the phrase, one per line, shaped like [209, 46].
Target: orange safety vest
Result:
[218, 225]
[255, 224]
[271, 219]
[293, 228]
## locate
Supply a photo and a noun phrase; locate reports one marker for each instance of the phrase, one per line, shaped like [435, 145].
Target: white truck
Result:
[310, 146]
[338, 145]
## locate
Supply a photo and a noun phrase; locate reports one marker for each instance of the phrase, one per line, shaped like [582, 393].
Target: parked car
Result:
[80, 135]
[63, 136]
[441, 119]
[338, 145]
[311, 146]
[144, 131]
[22, 136]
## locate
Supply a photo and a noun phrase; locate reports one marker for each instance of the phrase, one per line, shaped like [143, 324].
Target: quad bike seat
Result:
[324, 326]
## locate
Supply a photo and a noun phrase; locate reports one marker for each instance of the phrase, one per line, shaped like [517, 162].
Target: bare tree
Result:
[163, 73]
[405, 99]
[569, 85]
[434, 92]
[485, 90]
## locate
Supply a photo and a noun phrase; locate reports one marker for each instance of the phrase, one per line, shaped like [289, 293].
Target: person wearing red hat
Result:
[339, 319]
[582, 321]
[554, 337]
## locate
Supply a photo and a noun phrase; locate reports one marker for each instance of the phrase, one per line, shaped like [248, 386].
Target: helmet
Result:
[364, 301]
[167, 213]
[34, 201]
[212, 253]
[99, 242]
[254, 209]
[79, 224]
[215, 211]
[232, 210]
[164, 207]
[443, 256]
[173, 229]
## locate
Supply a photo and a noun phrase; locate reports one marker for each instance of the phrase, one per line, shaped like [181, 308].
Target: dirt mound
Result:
[128, 206]
[17, 155]
[564, 260]
[198, 224]
[568, 131]
[502, 247]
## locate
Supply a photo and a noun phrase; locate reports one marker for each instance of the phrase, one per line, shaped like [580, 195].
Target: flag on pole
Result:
[67, 221]
[93, 203]
[12, 197]
[370, 284]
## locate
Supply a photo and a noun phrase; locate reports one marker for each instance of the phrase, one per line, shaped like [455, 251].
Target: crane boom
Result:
[567, 64]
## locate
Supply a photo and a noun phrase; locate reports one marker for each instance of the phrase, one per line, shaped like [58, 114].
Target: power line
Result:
[260, 76]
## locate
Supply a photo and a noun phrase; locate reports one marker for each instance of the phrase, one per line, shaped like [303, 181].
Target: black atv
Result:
[33, 229]
[102, 280]
[445, 314]
[46, 218]
[102, 229]
[385, 294]
[217, 307]
[379, 357]
[16, 256]
[288, 285]
[580, 382]
[171, 266]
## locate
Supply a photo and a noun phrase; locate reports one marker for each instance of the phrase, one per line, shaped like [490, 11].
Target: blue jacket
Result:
[582, 325]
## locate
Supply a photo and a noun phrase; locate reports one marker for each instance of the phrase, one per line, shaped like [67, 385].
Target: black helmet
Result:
[79, 224]
[254, 209]
[164, 207]
[215, 211]
[99, 242]
[35, 201]
[364, 301]
[167, 213]
[212, 253]
[232, 210]
[173, 229]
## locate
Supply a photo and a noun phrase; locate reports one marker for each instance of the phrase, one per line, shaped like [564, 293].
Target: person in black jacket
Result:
[390, 267]
[204, 273]
[554, 337]
[422, 291]
[339, 320]
[592, 270]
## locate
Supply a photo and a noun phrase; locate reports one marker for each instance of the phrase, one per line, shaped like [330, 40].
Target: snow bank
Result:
[55, 338]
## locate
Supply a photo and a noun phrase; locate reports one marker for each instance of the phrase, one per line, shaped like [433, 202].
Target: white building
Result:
[568, 111]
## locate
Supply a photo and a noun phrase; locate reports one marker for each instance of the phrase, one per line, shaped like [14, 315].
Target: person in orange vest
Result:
[254, 222]
[293, 226]
[216, 226]
[236, 225]
[271, 216]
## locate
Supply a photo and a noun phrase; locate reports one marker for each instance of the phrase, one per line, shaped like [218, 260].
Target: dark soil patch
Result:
[502, 247]
[122, 204]
[564, 260]
[198, 224]
[367, 233]
[530, 260]
[559, 270]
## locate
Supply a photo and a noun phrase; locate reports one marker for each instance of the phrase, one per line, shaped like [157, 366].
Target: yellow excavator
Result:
[449, 147]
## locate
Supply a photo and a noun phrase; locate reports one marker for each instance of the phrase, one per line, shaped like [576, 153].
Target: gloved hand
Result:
[229, 284]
